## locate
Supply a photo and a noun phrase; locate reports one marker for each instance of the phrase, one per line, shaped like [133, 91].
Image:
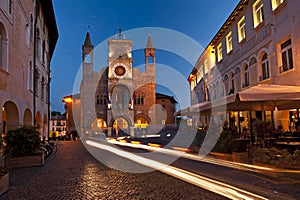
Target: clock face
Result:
[119, 70]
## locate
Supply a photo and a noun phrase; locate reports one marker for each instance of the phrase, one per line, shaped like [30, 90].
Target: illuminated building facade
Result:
[257, 47]
[121, 98]
[28, 36]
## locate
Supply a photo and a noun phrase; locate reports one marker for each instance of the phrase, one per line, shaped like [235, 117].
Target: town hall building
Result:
[120, 98]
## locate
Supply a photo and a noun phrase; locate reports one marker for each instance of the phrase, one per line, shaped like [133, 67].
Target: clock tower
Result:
[120, 84]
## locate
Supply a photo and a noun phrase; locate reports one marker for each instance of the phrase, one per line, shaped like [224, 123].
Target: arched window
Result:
[103, 99]
[43, 88]
[3, 48]
[31, 25]
[246, 76]
[252, 61]
[30, 76]
[36, 82]
[10, 7]
[43, 51]
[264, 67]
[232, 88]
[139, 100]
[97, 99]
[38, 41]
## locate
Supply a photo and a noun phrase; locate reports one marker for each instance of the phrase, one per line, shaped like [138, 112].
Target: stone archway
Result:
[10, 116]
[98, 124]
[141, 121]
[120, 127]
[27, 118]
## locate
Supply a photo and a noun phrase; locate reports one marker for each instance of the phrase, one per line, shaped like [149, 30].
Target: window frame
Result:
[276, 4]
[265, 67]
[241, 29]
[258, 13]
[229, 42]
[220, 52]
[288, 50]
[246, 76]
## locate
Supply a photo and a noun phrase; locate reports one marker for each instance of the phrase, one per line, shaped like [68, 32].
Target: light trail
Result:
[195, 179]
[225, 163]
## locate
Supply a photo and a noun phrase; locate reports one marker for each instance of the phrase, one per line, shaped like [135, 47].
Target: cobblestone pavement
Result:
[72, 173]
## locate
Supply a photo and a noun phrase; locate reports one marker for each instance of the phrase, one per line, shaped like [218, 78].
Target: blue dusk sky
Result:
[179, 30]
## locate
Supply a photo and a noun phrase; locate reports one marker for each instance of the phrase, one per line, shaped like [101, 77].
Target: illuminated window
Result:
[286, 56]
[220, 55]
[242, 29]
[229, 42]
[258, 14]
[276, 3]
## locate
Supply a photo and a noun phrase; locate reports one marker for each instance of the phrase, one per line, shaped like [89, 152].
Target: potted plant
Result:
[22, 148]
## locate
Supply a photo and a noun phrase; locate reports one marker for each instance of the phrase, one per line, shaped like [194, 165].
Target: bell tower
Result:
[150, 58]
[87, 56]
[149, 52]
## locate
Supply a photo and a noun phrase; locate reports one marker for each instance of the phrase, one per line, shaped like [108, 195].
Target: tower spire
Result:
[87, 47]
[149, 51]
[149, 42]
[88, 41]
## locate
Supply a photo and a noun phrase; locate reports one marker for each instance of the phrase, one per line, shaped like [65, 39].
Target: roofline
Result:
[223, 28]
[48, 9]
[165, 96]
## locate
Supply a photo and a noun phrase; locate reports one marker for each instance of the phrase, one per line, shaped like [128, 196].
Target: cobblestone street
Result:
[74, 174]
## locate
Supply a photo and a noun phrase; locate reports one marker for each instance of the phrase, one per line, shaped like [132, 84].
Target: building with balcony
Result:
[252, 66]
[28, 36]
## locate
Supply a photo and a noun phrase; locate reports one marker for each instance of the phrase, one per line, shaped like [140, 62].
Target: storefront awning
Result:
[281, 96]
[259, 97]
